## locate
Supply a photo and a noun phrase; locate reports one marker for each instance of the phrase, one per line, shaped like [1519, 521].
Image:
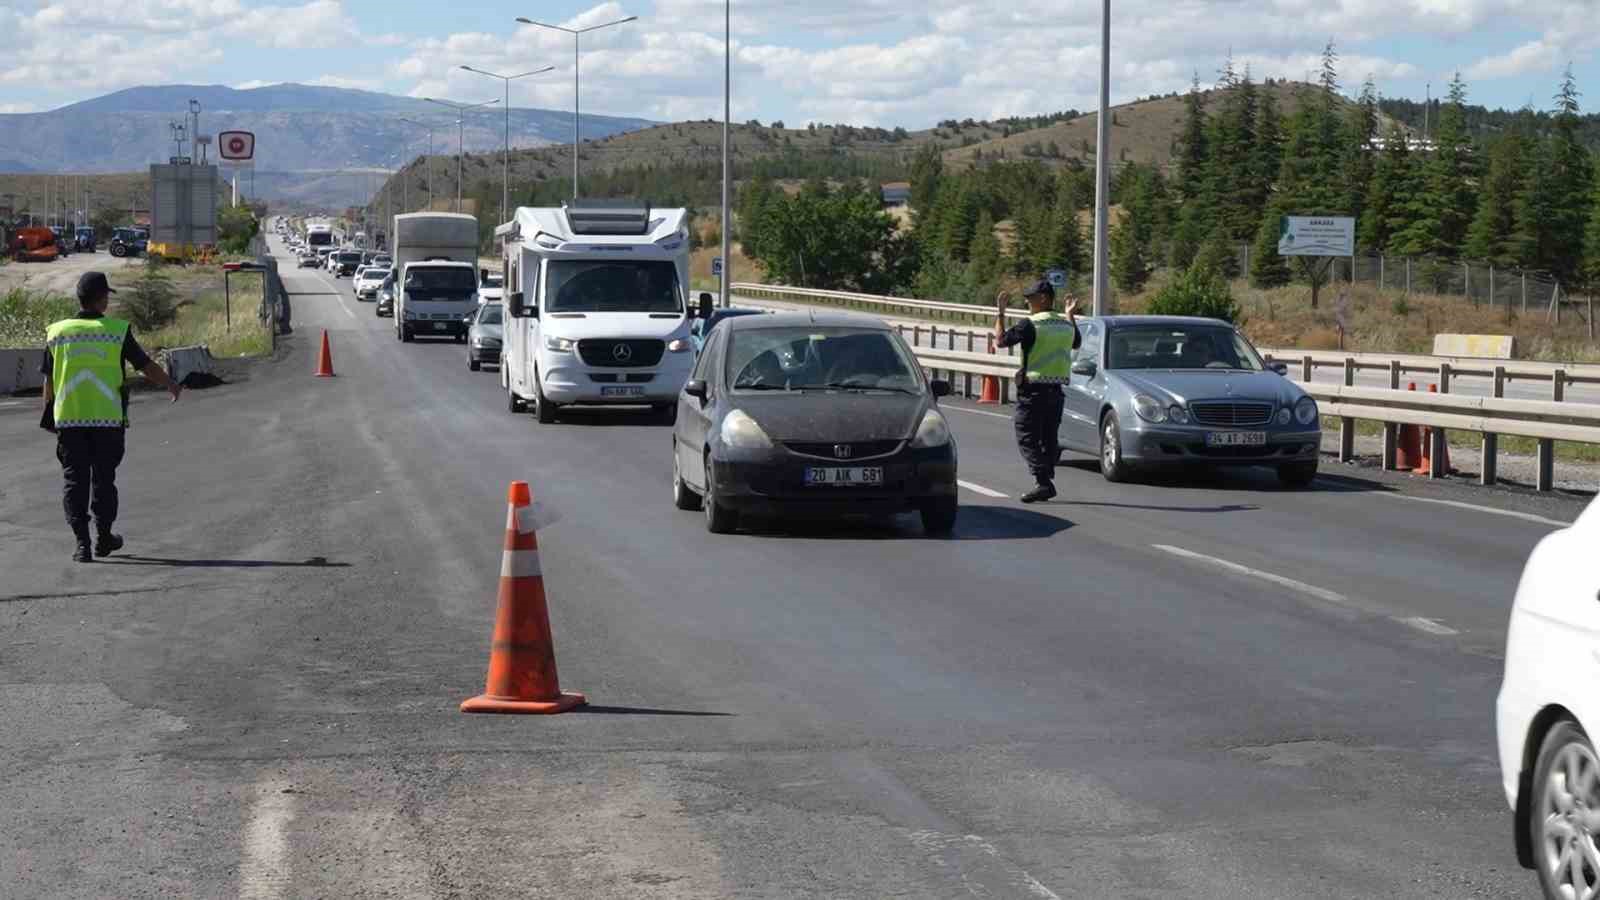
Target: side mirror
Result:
[1281, 368]
[514, 305]
[707, 304]
[940, 388]
[1085, 367]
[696, 388]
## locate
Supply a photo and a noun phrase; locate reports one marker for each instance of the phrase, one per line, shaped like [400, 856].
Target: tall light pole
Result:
[576, 34]
[461, 135]
[1102, 166]
[429, 160]
[505, 158]
[727, 118]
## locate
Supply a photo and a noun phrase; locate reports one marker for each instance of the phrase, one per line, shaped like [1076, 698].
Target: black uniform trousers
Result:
[1038, 423]
[89, 459]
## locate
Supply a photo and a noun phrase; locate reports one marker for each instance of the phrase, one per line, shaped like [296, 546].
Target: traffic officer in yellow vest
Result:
[1047, 339]
[86, 405]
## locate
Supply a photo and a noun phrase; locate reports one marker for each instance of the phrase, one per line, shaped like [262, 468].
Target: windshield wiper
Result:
[759, 387]
[854, 386]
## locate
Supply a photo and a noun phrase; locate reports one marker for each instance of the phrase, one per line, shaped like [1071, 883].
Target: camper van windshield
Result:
[648, 286]
[442, 283]
[319, 238]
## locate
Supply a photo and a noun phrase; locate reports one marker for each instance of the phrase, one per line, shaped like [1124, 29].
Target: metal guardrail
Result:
[1445, 367]
[927, 309]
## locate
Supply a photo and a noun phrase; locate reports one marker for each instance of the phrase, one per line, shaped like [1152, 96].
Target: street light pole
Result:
[505, 158]
[1102, 166]
[727, 117]
[461, 136]
[428, 161]
[576, 33]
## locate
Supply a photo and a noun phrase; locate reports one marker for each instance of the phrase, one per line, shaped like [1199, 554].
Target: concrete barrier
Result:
[1476, 346]
[19, 370]
[181, 362]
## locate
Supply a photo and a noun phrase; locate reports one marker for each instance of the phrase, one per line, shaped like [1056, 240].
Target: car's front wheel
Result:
[1298, 475]
[118, 251]
[939, 515]
[719, 518]
[543, 410]
[1112, 465]
[1564, 816]
[683, 497]
[472, 362]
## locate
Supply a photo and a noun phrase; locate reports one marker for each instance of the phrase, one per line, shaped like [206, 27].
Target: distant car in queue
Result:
[385, 304]
[485, 334]
[1152, 391]
[800, 414]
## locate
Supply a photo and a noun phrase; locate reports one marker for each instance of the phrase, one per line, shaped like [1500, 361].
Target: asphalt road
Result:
[1212, 689]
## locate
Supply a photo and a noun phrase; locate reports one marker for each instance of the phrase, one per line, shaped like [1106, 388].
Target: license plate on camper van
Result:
[622, 392]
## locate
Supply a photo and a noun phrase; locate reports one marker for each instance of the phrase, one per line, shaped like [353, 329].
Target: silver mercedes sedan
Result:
[1162, 390]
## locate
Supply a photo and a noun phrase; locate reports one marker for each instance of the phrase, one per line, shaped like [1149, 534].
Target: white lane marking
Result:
[980, 489]
[1301, 586]
[264, 872]
[981, 871]
[1529, 517]
[1428, 625]
[976, 412]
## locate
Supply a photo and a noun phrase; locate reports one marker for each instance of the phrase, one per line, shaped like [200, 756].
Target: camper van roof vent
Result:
[608, 216]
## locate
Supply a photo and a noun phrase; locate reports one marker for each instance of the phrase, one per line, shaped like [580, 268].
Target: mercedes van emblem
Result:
[621, 352]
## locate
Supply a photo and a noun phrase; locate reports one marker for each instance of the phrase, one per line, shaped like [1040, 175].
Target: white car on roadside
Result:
[1548, 709]
[368, 280]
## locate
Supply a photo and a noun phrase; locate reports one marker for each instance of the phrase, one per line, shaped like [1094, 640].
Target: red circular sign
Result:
[236, 145]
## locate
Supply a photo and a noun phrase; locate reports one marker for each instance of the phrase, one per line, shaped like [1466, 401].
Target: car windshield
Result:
[819, 358]
[440, 283]
[490, 314]
[644, 286]
[1179, 347]
[349, 257]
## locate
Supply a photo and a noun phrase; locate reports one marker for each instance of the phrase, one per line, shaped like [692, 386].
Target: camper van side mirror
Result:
[514, 305]
[707, 304]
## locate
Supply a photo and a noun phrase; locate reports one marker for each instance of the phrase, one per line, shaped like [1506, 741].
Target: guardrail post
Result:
[1391, 430]
[970, 336]
[1490, 450]
[916, 335]
[1349, 371]
[1394, 374]
[1547, 448]
[1005, 391]
[1305, 368]
[1444, 378]
[1347, 439]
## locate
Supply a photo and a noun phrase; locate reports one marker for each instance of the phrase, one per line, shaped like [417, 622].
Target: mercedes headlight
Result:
[1305, 412]
[680, 345]
[933, 431]
[741, 432]
[558, 344]
[1149, 408]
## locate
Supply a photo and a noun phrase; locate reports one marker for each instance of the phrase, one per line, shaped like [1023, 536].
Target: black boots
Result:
[1039, 494]
[107, 544]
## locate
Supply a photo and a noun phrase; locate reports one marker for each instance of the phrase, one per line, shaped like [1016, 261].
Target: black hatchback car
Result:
[812, 414]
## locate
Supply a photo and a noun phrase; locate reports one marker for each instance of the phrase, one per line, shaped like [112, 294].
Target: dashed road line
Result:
[1428, 625]
[264, 871]
[1511, 513]
[980, 489]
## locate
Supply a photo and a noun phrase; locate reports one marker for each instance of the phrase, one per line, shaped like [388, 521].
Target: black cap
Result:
[91, 285]
[1040, 287]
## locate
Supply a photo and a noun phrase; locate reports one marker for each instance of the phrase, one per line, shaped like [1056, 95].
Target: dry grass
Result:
[744, 268]
[202, 312]
[1389, 321]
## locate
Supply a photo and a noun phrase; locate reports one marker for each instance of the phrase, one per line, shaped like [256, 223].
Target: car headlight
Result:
[932, 431]
[741, 432]
[1177, 414]
[680, 345]
[1284, 415]
[1149, 408]
[558, 344]
[1305, 412]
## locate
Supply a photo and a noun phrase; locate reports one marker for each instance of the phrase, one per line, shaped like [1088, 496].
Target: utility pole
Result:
[576, 33]
[505, 157]
[1102, 165]
[727, 117]
[461, 136]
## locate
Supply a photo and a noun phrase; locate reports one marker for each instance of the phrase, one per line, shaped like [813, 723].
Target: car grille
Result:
[1231, 415]
[620, 354]
[857, 450]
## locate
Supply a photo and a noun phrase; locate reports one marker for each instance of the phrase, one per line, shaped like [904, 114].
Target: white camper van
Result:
[435, 274]
[597, 306]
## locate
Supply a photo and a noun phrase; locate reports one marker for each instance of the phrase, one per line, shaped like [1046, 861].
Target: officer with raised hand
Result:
[1047, 339]
[86, 405]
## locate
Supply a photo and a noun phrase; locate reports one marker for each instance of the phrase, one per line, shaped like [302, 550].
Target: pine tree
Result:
[983, 254]
[1308, 179]
[1590, 273]
[1441, 207]
[1129, 268]
[927, 171]
[1066, 247]
[1230, 189]
[1267, 268]
[1192, 154]
[1489, 237]
[959, 222]
[1359, 154]
[1218, 255]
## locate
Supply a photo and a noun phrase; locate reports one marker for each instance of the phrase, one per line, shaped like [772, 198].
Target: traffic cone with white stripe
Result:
[522, 659]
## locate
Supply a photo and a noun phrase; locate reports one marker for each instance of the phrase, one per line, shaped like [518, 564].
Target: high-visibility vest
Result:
[86, 372]
[1050, 359]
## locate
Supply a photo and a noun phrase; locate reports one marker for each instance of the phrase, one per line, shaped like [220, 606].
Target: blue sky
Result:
[879, 62]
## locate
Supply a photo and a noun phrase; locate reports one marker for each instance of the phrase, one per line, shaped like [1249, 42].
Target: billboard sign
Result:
[236, 147]
[1317, 236]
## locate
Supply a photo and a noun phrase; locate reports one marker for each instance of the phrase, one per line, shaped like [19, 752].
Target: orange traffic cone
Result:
[522, 659]
[1408, 449]
[325, 359]
[991, 391]
[1425, 466]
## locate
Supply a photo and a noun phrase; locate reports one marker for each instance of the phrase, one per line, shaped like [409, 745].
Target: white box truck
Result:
[436, 274]
[596, 296]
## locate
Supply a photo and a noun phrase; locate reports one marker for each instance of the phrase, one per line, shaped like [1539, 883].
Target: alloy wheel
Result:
[1568, 820]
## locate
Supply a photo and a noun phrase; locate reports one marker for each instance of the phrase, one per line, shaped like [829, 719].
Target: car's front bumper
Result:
[570, 381]
[436, 328]
[1144, 443]
[773, 481]
[490, 355]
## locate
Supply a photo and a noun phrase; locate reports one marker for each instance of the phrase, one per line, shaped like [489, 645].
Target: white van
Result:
[597, 306]
[435, 274]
